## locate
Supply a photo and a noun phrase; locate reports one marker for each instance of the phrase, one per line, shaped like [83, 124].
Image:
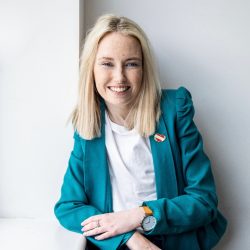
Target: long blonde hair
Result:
[86, 117]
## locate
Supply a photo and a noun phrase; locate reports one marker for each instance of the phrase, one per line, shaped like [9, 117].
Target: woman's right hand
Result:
[138, 242]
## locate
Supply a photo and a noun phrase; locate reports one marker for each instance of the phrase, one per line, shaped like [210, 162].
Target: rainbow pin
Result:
[159, 137]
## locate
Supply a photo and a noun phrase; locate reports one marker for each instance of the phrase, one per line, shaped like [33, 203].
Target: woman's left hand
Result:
[111, 224]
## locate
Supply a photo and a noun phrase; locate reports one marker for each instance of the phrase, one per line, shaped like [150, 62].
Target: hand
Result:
[111, 224]
[138, 242]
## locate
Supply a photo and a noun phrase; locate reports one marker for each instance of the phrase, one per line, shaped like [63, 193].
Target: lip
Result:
[124, 86]
[119, 86]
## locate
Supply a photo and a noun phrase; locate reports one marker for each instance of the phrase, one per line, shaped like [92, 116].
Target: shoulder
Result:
[79, 139]
[77, 136]
[176, 100]
[169, 95]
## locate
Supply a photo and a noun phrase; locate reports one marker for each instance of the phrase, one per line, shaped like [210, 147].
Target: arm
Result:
[139, 242]
[198, 205]
[72, 207]
[111, 224]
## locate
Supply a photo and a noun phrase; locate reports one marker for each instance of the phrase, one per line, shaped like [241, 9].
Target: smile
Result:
[119, 89]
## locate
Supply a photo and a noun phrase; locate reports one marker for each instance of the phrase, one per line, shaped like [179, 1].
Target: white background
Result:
[38, 73]
[202, 45]
[39, 46]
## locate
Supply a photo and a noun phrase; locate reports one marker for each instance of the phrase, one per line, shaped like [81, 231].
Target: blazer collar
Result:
[165, 175]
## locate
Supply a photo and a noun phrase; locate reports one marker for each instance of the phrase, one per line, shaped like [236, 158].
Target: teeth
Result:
[119, 89]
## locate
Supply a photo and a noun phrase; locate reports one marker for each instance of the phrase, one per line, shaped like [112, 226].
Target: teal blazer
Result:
[186, 205]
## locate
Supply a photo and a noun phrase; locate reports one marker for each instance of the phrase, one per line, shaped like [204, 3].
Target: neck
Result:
[118, 115]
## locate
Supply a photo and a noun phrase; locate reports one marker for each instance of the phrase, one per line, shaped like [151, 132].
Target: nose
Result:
[119, 75]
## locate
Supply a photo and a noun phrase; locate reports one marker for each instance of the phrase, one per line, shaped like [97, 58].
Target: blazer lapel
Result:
[98, 170]
[166, 183]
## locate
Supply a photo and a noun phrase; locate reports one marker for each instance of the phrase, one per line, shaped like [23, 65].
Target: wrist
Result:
[138, 214]
[149, 221]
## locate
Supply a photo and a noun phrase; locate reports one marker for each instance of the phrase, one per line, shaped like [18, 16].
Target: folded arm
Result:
[73, 208]
[197, 206]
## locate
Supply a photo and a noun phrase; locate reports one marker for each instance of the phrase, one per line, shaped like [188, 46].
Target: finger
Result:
[104, 236]
[95, 231]
[90, 226]
[91, 219]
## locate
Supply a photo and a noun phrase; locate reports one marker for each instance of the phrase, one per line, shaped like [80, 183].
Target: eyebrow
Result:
[106, 58]
[134, 58]
[111, 59]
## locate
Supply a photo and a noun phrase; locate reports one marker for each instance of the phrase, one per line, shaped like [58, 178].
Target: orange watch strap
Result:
[147, 210]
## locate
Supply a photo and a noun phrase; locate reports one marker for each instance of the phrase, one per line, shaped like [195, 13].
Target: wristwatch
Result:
[149, 221]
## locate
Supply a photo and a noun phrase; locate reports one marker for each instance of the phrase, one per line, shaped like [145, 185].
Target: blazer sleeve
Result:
[197, 206]
[72, 207]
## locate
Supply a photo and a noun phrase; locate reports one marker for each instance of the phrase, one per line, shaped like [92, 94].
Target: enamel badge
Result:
[159, 137]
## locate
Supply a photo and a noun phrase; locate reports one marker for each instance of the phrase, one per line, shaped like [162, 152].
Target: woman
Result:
[138, 177]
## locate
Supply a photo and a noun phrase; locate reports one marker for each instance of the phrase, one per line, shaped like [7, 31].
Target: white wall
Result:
[204, 45]
[39, 44]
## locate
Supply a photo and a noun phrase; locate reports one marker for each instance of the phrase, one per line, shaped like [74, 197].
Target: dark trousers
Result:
[157, 240]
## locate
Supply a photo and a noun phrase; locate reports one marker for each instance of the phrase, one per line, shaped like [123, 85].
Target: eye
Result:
[107, 64]
[132, 64]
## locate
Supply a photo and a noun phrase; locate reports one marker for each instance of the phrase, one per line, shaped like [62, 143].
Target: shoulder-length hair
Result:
[143, 116]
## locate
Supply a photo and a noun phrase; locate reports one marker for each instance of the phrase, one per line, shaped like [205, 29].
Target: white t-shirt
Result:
[130, 166]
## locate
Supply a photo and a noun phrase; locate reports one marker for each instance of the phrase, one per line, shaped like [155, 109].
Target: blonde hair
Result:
[144, 114]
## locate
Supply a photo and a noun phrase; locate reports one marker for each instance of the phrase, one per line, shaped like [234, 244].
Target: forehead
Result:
[117, 44]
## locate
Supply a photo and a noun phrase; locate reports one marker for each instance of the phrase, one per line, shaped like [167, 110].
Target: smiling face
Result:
[118, 70]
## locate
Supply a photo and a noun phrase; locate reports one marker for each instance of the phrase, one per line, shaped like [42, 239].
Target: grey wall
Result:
[204, 45]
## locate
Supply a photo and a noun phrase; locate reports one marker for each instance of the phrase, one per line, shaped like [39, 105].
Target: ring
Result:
[98, 223]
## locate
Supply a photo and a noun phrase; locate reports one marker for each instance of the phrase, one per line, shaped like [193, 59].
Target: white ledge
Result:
[37, 234]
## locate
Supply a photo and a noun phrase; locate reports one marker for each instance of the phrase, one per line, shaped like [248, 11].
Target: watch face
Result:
[148, 223]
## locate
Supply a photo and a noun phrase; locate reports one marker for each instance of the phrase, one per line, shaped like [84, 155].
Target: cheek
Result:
[137, 78]
[101, 76]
